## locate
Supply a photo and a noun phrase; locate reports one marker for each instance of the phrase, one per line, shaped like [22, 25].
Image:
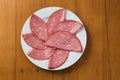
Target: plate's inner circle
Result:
[73, 56]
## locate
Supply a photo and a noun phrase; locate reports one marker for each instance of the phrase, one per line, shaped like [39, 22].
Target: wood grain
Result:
[29, 71]
[101, 57]
[113, 29]
[7, 40]
[96, 66]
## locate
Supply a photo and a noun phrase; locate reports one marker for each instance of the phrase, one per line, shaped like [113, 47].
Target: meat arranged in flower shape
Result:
[54, 39]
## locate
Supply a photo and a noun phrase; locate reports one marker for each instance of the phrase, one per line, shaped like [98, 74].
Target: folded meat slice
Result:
[55, 18]
[64, 40]
[68, 25]
[33, 41]
[58, 58]
[41, 54]
[38, 27]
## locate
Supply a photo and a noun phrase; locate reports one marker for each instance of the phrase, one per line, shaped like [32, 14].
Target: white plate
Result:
[73, 56]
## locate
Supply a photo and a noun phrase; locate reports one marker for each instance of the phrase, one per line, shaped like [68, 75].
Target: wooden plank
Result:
[25, 70]
[7, 42]
[113, 23]
[95, 65]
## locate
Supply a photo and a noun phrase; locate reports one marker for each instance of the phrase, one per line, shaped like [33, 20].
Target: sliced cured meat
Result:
[55, 18]
[68, 25]
[41, 54]
[64, 40]
[38, 27]
[58, 58]
[33, 41]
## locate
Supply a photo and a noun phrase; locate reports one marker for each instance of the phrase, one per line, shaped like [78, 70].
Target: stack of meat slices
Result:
[54, 39]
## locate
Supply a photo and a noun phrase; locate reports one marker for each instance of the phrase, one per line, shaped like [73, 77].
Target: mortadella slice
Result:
[41, 54]
[68, 25]
[38, 27]
[58, 58]
[64, 40]
[55, 18]
[33, 41]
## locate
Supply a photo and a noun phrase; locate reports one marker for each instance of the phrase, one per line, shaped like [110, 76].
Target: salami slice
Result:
[58, 58]
[33, 41]
[38, 27]
[68, 25]
[41, 54]
[64, 40]
[55, 18]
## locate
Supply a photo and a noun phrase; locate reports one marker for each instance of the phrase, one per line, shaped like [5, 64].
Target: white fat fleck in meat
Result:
[62, 35]
[40, 28]
[27, 40]
[70, 24]
[46, 51]
[56, 62]
[50, 29]
[68, 45]
[60, 60]
[61, 27]
[35, 24]
[39, 34]
[57, 41]
[45, 29]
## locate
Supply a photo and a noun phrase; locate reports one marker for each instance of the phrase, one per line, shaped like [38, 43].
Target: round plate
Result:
[73, 56]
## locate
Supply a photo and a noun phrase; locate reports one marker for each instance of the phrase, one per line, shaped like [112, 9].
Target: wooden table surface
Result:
[101, 59]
